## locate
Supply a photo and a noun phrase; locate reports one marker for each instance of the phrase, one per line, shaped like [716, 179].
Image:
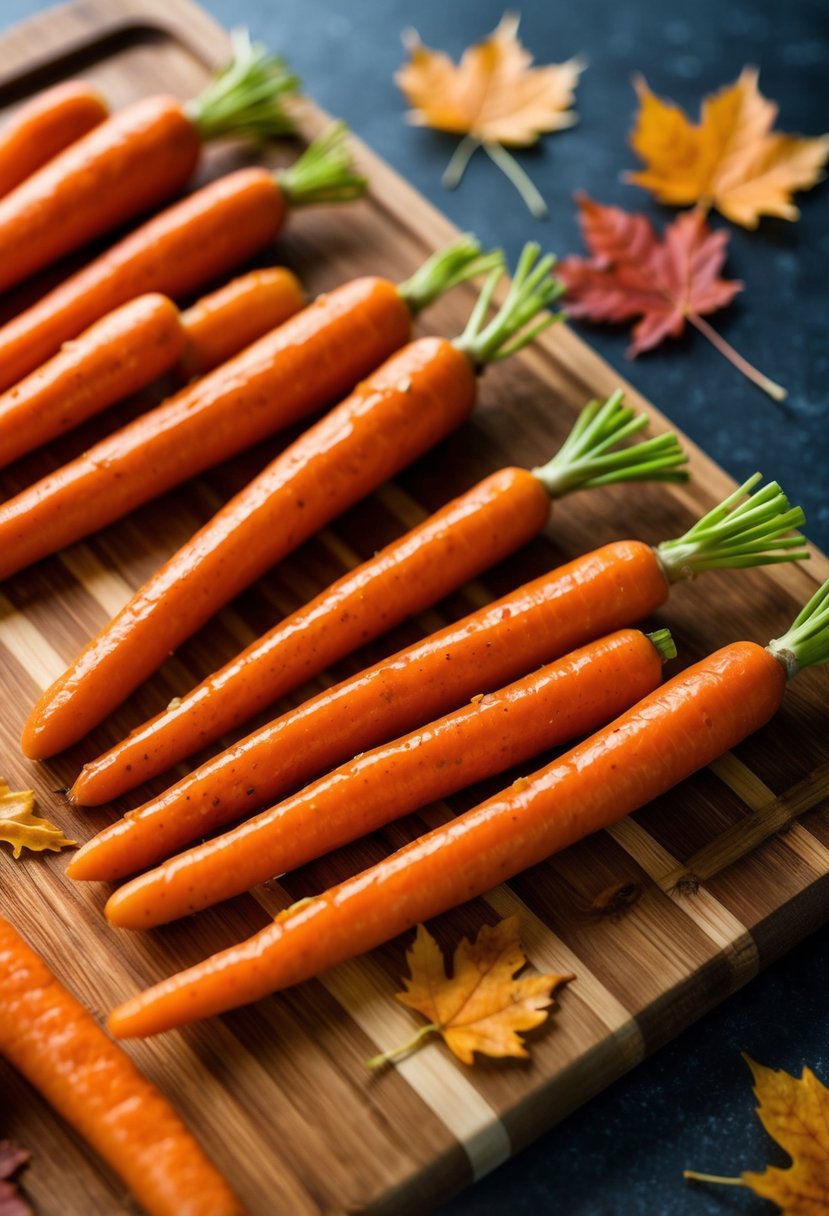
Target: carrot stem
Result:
[743, 530]
[584, 460]
[532, 290]
[511, 169]
[456, 263]
[775, 391]
[324, 173]
[245, 97]
[664, 644]
[397, 1053]
[806, 642]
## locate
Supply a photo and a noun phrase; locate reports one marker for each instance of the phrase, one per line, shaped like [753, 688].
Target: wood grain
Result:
[659, 919]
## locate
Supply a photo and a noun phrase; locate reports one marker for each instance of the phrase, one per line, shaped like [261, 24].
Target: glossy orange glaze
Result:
[191, 243]
[57, 1046]
[136, 159]
[416, 398]
[540, 621]
[44, 126]
[674, 731]
[559, 702]
[455, 544]
[291, 372]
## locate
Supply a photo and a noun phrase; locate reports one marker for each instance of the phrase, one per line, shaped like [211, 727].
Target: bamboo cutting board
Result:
[659, 919]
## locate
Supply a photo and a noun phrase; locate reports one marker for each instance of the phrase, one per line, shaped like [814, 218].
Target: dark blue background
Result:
[691, 1104]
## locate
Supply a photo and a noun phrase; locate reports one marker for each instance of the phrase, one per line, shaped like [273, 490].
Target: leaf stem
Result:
[461, 157]
[589, 456]
[776, 391]
[396, 1053]
[511, 169]
[693, 1176]
[743, 530]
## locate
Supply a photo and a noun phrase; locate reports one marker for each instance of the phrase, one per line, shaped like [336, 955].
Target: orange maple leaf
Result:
[481, 1006]
[795, 1113]
[667, 282]
[22, 829]
[731, 160]
[492, 96]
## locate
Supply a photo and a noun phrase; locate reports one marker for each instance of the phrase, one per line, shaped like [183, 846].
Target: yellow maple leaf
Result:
[795, 1113]
[22, 829]
[482, 1006]
[493, 96]
[731, 159]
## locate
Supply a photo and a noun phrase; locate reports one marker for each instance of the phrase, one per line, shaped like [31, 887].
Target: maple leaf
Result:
[482, 1006]
[731, 160]
[667, 282]
[22, 829]
[12, 1158]
[795, 1113]
[493, 97]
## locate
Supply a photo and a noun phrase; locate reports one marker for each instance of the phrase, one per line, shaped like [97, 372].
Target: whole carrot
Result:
[51, 121]
[194, 242]
[603, 591]
[676, 730]
[553, 705]
[296, 369]
[128, 348]
[136, 159]
[468, 535]
[57, 1046]
[407, 405]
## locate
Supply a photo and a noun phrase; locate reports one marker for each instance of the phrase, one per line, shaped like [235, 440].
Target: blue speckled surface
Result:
[689, 1105]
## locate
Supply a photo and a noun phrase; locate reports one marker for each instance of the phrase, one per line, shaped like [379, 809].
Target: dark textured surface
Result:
[690, 1104]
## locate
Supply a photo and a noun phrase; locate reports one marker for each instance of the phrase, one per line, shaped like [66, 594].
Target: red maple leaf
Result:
[667, 282]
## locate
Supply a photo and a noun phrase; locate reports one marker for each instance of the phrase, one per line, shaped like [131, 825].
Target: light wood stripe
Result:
[29, 646]
[105, 586]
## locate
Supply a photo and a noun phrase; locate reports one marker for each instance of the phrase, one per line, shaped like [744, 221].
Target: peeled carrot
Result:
[603, 591]
[51, 121]
[412, 401]
[296, 369]
[467, 536]
[89, 1080]
[128, 348]
[676, 730]
[192, 243]
[133, 161]
[558, 703]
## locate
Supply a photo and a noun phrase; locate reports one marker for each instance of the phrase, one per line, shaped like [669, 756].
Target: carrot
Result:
[296, 369]
[413, 400]
[133, 161]
[51, 121]
[479, 528]
[128, 348]
[54, 1042]
[192, 243]
[558, 703]
[676, 730]
[603, 591]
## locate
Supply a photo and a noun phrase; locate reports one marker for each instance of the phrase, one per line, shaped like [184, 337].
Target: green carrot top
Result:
[532, 290]
[590, 455]
[806, 642]
[745, 529]
[245, 97]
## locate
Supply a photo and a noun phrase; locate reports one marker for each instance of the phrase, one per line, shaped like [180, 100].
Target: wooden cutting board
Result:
[660, 918]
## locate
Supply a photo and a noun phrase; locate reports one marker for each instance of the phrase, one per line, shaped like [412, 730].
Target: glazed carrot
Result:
[133, 161]
[412, 401]
[296, 369]
[51, 121]
[128, 348]
[54, 1042]
[603, 591]
[194, 242]
[468, 535]
[554, 705]
[676, 730]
